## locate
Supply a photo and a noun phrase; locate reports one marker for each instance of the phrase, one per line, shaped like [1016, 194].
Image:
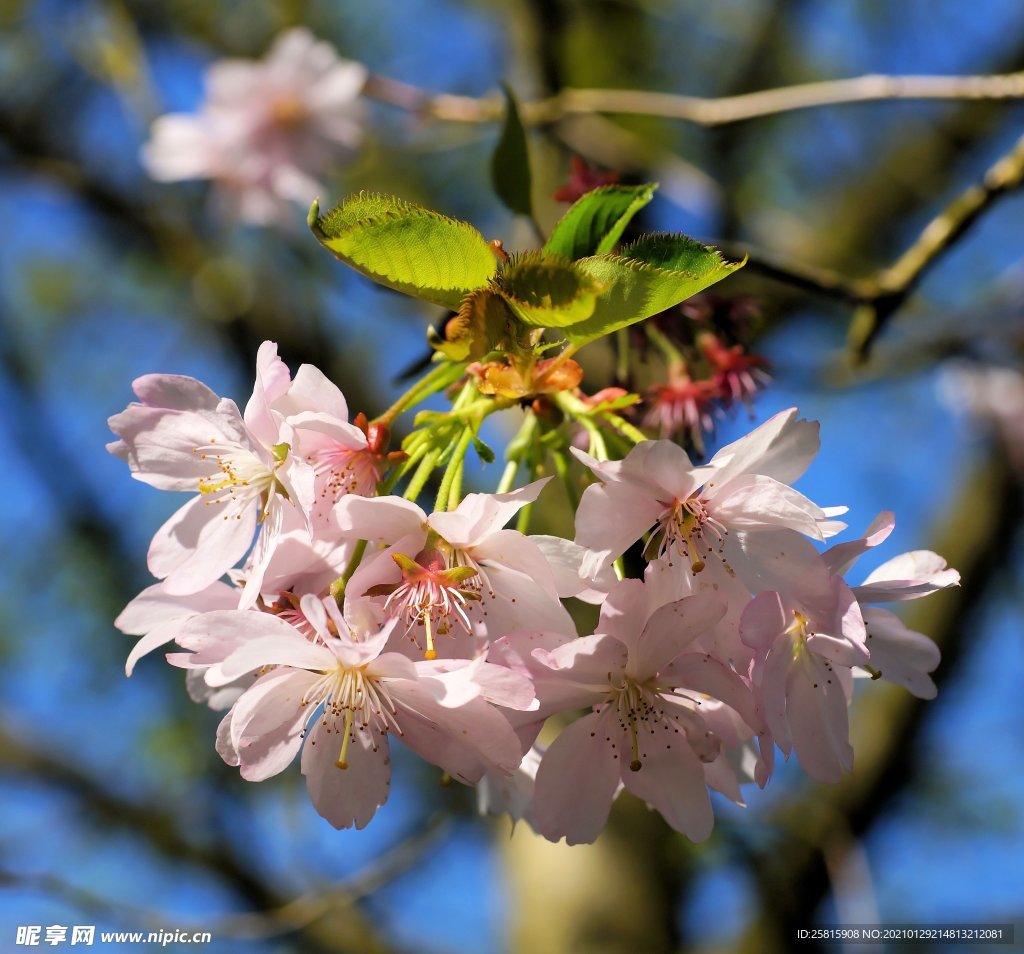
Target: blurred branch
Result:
[272, 922]
[345, 931]
[700, 110]
[891, 287]
[877, 298]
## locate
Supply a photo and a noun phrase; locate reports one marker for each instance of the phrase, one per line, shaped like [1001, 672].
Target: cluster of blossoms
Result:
[708, 367]
[267, 130]
[327, 615]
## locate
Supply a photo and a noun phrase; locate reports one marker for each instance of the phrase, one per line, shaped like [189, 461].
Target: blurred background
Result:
[116, 810]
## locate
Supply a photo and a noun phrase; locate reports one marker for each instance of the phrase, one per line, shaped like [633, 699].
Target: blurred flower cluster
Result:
[267, 131]
[709, 368]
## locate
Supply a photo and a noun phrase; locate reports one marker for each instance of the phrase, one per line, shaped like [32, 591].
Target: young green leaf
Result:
[484, 452]
[403, 246]
[510, 164]
[655, 273]
[596, 221]
[547, 291]
[482, 321]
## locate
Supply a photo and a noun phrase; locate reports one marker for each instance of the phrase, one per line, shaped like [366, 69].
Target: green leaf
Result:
[673, 252]
[406, 247]
[655, 273]
[484, 452]
[595, 222]
[510, 164]
[481, 322]
[547, 291]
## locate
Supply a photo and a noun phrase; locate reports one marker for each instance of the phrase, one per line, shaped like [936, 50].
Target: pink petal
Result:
[906, 577]
[175, 391]
[380, 519]
[464, 741]
[154, 606]
[772, 689]
[672, 782]
[312, 390]
[163, 447]
[705, 674]
[278, 650]
[152, 640]
[347, 797]
[670, 630]
[763, 621]
[266, 729]
[516, 603]
[782, 448]
[610, 518]
[900, 654]
[565, 561]
[592, 661]
[272, 380]
[817, 714]
[755, 502]
[510, 549]
[263, 551]
[480, 515]
[842, 556]
[199, 544]
[578, 778]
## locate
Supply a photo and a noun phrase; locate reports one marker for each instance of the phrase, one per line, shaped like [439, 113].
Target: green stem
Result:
[436, 380]
[423, 472]
[508, 477]
[658, 338]
[338, 586]
[633, 433]
[523, 520]
[388, 484]
[561, 460]
[622, 356]
[451, 482]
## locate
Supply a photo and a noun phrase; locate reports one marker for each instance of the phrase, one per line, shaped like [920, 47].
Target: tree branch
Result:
[700, 110]
[896, 283]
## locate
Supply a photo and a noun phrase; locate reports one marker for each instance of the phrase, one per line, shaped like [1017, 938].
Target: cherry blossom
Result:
[268, 130]
[808, 633]
[339, 697]
[646, 731]
[183, 437]
[456, 571]
[692, 509]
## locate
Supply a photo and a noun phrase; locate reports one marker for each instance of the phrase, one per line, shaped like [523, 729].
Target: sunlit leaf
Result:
[595, 222]
[649, 276]
[406, 247]
[547, 291]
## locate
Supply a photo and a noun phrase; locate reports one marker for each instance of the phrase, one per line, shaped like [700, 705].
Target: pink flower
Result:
[342, 457]
[692, 509]
[646, 731]
[808, 633]
[683, 409]
[898, 654]
[343, 696]
[184, 437]
[738, 375]
[158, 616]
[454, 571]
[268, 130]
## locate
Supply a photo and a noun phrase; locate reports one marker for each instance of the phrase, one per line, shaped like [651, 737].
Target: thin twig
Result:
[282, 919]
[896, 283]
[700, 110]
